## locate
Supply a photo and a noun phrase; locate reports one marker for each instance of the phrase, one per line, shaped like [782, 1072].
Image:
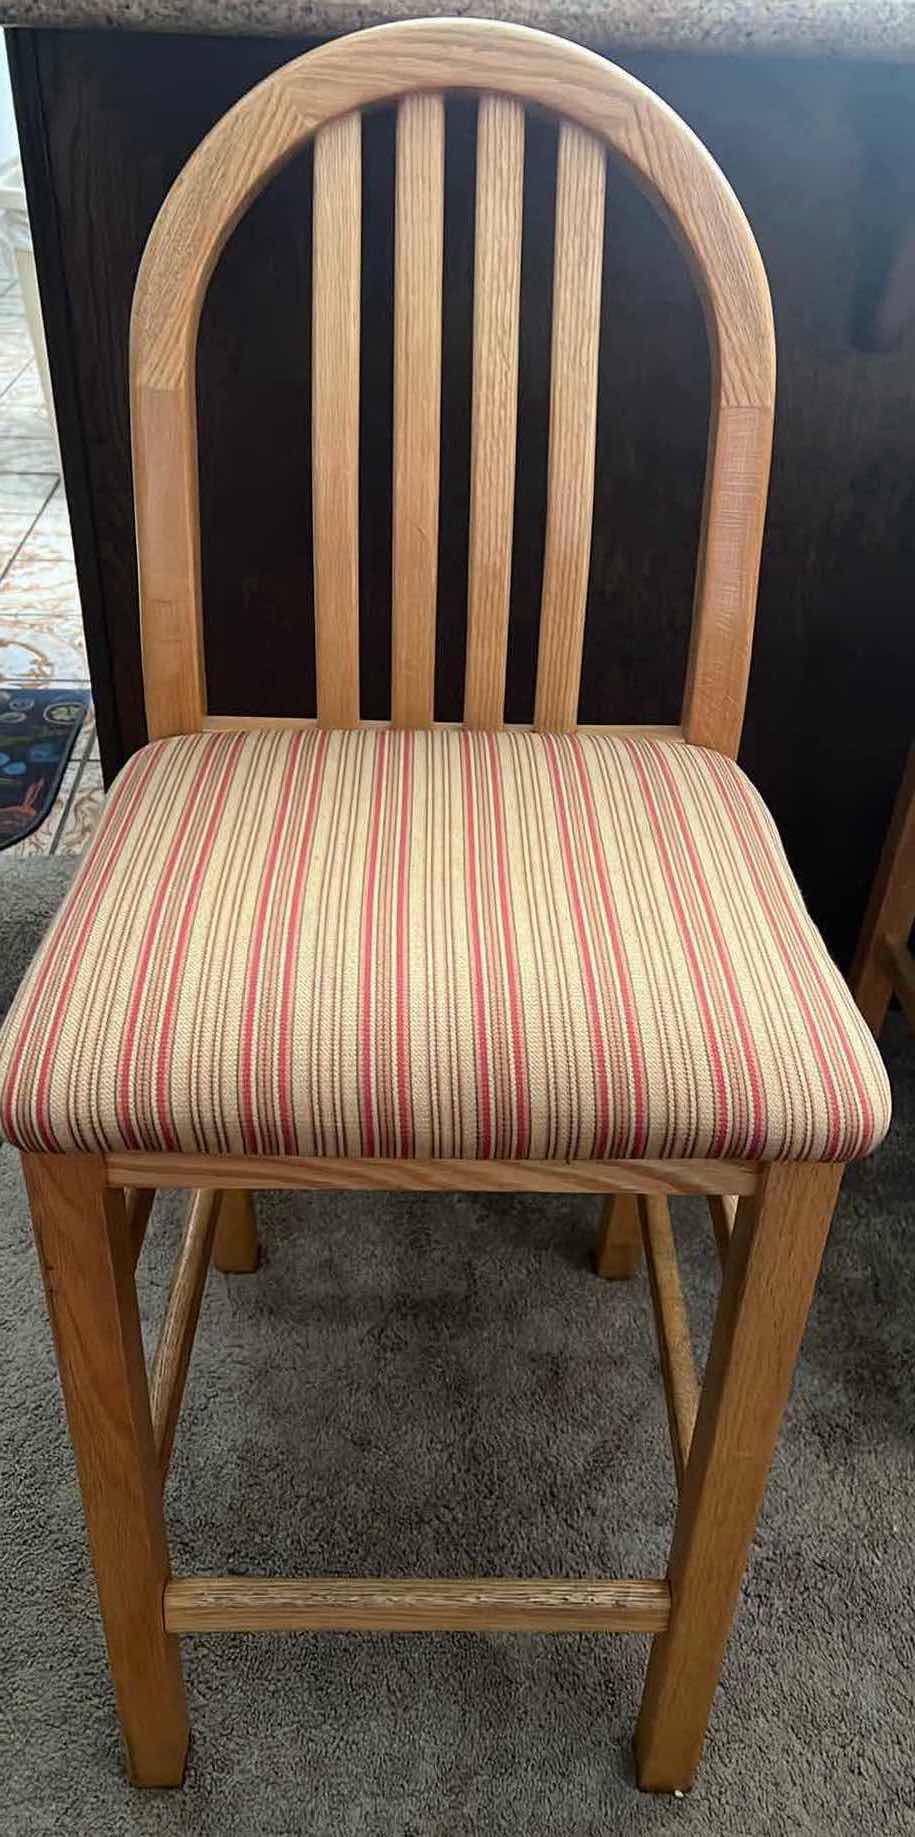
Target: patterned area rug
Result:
[38, 729]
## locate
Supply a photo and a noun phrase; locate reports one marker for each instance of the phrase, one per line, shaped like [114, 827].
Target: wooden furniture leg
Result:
[619, 1247]
[675, 1349]
[891, 909]
[767, 1286]
[87, 1260]
[139, 1201]
[236, 1250]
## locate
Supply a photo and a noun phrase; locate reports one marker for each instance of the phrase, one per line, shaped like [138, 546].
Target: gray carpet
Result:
[31, 889]
[414, 1385]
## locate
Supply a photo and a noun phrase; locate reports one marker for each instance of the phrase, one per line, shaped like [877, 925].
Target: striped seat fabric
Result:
[437, 944]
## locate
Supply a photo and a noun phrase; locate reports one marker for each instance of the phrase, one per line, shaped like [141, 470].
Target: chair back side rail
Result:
[601, 110]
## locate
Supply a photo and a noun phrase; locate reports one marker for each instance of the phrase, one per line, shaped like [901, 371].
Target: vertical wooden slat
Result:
[497, 287]
[573, 417]
[337, 236]
[419, 210]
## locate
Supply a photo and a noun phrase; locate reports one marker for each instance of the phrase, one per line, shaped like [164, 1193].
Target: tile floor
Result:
[41, 628]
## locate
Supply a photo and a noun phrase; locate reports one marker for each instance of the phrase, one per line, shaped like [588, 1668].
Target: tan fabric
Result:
[438, 944]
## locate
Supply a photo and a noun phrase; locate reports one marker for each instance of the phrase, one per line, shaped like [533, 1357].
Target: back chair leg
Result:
[619, 1247]
[767, 1287]
[890, 912]
[236, 1250]
[87, 1259]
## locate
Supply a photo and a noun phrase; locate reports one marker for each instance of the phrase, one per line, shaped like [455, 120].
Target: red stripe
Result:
[799, 941]
[477, 988]
[677, 1042]
[287, 1122]
[74, 952]
[163, 1068]
[521, 1089]
[250, 1121]
[720, 1129]
[586, 963]
[125, 1076]
[405, 1117]
[498, 1057]
[751, 1143]
[638, 1129]
[366, 1056]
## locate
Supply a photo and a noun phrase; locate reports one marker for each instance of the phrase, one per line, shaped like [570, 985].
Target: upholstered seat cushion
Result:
[434, 945]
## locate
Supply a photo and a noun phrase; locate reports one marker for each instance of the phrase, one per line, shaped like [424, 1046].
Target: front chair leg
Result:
[767, 1287]
[619, 1247]
[236, 1249]
[87, 1260]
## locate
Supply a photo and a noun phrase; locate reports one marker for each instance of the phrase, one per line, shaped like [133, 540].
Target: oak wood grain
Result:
[580, 182]
[723, 1210]
[619, 1247]
[257, 1604]
[139, 1203]
[902, 965]
[336, 267]
[730, 547]
[87, 1261]
[262, 1171]
[890, 912]
[166, 495]
[252, 723]
[600, 107]
[766, 1290]
[675, 1350]
[236, 1250]
[176, 1339]
[418, 246]
[496, 301]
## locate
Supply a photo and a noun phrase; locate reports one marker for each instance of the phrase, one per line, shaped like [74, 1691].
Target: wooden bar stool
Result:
[327, 953]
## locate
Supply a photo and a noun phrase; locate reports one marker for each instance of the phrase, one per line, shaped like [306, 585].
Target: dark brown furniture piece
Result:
[823, 156]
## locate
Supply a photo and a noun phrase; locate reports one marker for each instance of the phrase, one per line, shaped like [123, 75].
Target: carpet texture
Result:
[441, 1386]
[31, 889]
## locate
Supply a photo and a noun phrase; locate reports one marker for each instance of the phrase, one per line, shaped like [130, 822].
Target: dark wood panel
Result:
[120, 116]
[46, 230]
[823, 157]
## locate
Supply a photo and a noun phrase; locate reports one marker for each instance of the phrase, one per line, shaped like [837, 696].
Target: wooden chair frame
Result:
[89, 1211]
[884, 964]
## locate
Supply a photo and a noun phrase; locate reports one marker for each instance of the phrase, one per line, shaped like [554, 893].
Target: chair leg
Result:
[619, 1247]
[236, 1250]
[891, 909]
[87, 1261]
[767, 1287]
